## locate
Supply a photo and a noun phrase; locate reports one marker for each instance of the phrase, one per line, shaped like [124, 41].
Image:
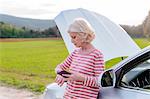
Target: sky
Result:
[129, 12]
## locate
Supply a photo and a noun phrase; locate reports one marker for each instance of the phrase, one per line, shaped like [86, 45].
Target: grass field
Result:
[30, 63]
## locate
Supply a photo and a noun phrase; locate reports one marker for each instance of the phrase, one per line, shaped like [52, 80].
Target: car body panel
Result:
[54, 91]
[122, 93]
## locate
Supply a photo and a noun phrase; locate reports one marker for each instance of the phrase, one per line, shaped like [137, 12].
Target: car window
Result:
[138, 77]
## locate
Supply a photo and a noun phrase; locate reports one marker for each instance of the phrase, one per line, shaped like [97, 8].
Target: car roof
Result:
[130, 58]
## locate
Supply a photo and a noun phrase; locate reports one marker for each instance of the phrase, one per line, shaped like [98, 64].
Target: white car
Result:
[130, 78]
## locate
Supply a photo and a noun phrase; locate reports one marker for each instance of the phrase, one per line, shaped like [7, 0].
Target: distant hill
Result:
[35, 24]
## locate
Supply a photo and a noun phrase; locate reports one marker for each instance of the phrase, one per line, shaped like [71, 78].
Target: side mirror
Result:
[107, 79]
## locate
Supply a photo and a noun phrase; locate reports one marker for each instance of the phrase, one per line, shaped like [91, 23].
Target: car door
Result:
[132, 80]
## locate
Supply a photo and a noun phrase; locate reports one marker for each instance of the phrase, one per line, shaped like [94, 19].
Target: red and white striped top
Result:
[90, 65]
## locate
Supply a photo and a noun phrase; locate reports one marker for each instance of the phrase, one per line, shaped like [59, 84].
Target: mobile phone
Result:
[63, 72]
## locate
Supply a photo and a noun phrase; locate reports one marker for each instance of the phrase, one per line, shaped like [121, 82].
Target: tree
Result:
[146, 26]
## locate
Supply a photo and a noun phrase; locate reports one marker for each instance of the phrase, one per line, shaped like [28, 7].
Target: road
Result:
[12, 93]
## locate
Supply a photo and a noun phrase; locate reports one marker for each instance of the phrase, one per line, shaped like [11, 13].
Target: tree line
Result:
[11, 31]
[142, 30]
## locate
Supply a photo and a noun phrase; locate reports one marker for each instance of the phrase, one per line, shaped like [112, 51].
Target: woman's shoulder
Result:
[75, 51]
[97, 52]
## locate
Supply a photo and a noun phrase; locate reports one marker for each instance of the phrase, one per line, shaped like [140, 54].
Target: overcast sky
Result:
[130, 12]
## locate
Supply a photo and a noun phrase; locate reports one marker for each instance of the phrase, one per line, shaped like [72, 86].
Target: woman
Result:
[84, 64]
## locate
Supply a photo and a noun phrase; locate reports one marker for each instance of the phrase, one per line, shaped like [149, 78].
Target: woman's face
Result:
[75, 39]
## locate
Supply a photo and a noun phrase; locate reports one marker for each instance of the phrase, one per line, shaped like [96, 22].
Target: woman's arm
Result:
[89, 80]
[98, 69]
[65, 64]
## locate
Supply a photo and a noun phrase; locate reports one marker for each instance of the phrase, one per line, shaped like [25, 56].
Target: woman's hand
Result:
[60, 80]
[58, 69]
[74, 76]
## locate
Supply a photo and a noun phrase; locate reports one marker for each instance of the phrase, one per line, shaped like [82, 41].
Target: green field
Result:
[30, 63]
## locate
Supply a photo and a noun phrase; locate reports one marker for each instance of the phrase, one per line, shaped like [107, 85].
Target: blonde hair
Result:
[83, 28]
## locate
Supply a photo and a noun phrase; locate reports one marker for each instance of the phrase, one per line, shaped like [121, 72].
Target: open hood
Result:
[111, 39]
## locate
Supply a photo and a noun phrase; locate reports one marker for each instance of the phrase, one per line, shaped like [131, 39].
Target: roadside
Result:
[12, 93]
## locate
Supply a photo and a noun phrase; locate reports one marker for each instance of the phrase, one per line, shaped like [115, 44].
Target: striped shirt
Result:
[90, 65]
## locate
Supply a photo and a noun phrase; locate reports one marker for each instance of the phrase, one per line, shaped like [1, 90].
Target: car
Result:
[129, 78]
